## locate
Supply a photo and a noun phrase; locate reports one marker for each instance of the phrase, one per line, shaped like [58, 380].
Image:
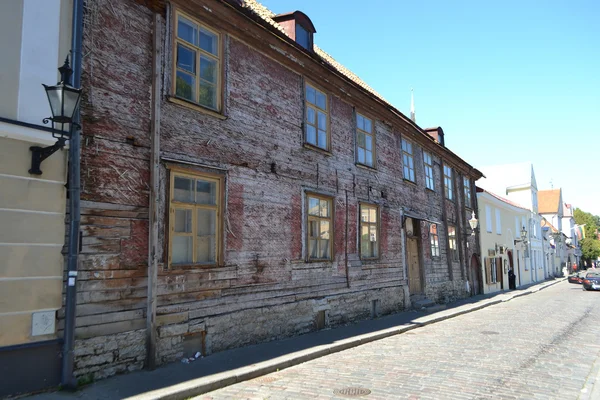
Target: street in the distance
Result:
[544, 346]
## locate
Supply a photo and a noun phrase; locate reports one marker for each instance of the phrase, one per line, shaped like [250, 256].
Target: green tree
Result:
[590, 246]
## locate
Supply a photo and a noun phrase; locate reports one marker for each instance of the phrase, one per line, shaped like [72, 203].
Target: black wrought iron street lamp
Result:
[473, 223]
[64, 100]
[523, 235]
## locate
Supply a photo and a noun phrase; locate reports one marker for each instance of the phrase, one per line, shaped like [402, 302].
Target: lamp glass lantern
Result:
[473, 223]
[523, 235]
[64, 101]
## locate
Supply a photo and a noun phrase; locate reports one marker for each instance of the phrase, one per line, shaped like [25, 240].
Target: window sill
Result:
[431, 190]
[188, 267]
[196, 107]
[316, 148]
[367, 167]
[409, 181]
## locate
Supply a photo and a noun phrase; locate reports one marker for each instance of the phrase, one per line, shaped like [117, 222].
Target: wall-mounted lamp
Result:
[64, 100]
[473, 222]
[524, 235]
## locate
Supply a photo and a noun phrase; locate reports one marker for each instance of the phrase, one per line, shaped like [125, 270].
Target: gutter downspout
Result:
[67, 378]
[153, 201]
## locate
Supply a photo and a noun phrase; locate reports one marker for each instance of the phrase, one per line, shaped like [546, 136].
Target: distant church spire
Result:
[412, 106]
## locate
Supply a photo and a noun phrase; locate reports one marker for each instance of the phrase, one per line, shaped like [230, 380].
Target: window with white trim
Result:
[448, 182]
[488, 219]
[498, 222]
[434, 240]
[467, 186]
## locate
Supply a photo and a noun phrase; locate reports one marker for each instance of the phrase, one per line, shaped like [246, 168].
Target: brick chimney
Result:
[437, 134]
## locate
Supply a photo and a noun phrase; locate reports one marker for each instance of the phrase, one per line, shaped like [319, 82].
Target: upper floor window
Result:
[498, 222]
[194, 219]
[317, 118]
[448, 182]
[369, 231]
[488, 219]
[452, 243]
[434, 239]
[365, 141]
[319, 227]
[492, 271]
[197, 63]
[428, 163]
[407, 161]
[467, 185]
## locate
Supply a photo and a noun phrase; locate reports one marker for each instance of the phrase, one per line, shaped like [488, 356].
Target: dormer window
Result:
[298, 27]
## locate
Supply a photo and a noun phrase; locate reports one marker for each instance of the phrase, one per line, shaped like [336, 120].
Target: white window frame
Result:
[408, 161]
[498, 222]
[449, 190]
[428, 167]
[488, 219]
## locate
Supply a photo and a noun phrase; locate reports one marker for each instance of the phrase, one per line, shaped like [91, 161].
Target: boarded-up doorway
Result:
[414, 268]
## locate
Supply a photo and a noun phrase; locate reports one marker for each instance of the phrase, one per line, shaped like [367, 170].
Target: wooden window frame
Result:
[326, 111]
[362, 205]
[310, 218]
[195, 104]
[448, 189]
[452, 243]
[371, 134]
[491, 270]
[409, 156]
[428, 168]
[173, 205]
[467, 190]
[434, 241]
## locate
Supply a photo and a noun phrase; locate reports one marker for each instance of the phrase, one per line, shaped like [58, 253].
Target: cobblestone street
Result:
[543, 346]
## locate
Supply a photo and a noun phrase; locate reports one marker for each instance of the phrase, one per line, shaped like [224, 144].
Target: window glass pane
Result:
[412, 175]
[182, 190]
[313, 249]
[186, 59]
[205, 236]
[361, 140]
[183, 221]
[311, 115]
[311, 134]
[302, 36]
[313, 229]
[187, 30]
[364, 241]
[206, 192]
[325, 230]
[321, 100]
[208, 95]
[324, 208]
[182, 250]
[364, 214]
[360, 122]
[325, 249]
[369, 158]
[367, 125]
[368, 142]
[313, 206]
[208, 41]
[185, 86]
[322, 121]
[322, 139]
[208, 69]
[361, 155]
[372, 215]
[311, 94]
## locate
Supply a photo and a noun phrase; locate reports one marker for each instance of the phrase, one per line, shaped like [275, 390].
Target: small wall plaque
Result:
[43, 323]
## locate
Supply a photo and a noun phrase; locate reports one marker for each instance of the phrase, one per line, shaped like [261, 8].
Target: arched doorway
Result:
[475, 276]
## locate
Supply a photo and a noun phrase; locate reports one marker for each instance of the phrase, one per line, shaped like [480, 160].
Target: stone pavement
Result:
[181, 381]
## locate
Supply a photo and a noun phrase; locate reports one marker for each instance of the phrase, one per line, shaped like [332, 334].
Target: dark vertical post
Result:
[67, 378]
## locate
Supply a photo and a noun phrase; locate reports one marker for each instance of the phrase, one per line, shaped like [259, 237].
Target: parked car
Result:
[577, 277]
[591, 281]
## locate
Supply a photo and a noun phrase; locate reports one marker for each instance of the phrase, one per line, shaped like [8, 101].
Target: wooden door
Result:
[414, 268]
[476, 281]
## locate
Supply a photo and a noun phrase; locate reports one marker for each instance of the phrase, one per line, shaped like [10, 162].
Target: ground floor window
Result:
[195, 203]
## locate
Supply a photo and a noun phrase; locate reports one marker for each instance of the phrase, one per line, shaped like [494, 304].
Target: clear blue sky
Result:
[508, 81]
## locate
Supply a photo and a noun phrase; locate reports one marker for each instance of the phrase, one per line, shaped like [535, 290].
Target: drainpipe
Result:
[67, 378]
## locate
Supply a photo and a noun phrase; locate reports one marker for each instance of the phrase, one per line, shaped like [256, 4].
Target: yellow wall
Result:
[32, 232]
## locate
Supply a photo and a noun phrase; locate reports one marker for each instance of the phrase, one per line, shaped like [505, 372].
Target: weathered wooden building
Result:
[239, 185]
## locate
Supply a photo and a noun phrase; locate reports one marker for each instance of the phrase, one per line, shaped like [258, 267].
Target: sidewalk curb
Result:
[189, 388]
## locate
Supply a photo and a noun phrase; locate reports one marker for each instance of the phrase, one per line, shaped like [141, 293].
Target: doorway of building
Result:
[475, 276]
[414, 267]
